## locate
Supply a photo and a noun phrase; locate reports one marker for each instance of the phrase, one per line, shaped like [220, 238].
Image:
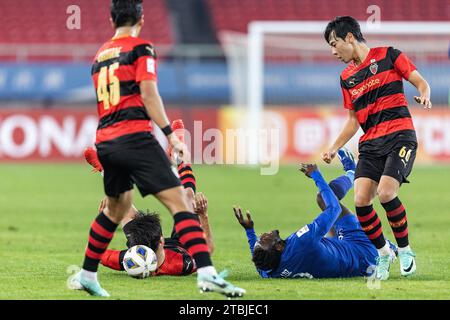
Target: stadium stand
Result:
[192, 21]
[234, 15]
[45, 22]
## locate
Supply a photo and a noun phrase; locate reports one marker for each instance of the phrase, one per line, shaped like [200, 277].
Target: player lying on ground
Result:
[145, 229]
[124, 73]
[308, 253]
[373, 93]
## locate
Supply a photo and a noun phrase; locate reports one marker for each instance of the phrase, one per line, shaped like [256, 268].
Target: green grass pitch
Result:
[47, 211]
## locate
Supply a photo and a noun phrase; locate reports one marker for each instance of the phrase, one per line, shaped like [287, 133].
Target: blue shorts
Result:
[348, 228]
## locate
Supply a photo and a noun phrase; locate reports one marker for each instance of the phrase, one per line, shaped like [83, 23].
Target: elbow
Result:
[334, 205]
[148, 100]
[336, 208]
[320, 202]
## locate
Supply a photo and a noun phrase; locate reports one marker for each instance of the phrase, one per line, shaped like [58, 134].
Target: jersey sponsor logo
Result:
[151, 66]
[352, 82]
[302, 231]
[365, 87]
[150, 50]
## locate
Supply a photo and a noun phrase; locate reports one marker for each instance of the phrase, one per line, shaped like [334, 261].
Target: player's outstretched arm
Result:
[423, 87]
[155, 109]
[248, 225]
[349, 130]
[201, 208]
[328, 217]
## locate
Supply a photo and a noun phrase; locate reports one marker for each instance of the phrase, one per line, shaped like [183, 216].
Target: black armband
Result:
[167, 130]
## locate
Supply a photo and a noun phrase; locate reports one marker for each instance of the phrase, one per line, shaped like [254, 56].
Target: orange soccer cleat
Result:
[90, 154]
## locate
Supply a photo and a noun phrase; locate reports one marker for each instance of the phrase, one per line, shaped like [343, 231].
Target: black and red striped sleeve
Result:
[402, 64]
[146, 65]
[348, 104]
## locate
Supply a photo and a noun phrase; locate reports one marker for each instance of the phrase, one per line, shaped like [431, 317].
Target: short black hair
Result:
[145, 229]
[266, 260]
[126, 12]
[343, 25]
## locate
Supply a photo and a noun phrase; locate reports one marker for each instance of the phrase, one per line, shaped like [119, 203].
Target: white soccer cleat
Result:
[208, 283]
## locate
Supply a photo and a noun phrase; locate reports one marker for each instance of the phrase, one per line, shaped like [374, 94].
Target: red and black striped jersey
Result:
[374, 90]
[178, 262]
[118, 68]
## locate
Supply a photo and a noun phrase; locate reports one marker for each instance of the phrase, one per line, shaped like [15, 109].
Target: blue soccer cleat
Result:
[393, 247]
[347, 159]
[77, 282]
[217, 283]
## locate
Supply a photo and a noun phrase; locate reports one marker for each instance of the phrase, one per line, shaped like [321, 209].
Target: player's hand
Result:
[179, 148]
[102, 205]
[329, 155]
[426, 102]
[201, 204]
[308, 168]
[246, 224]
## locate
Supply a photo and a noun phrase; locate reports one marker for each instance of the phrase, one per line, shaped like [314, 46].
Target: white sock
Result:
[209, 270]
[89, 275]
[385, 251]
[407, 248]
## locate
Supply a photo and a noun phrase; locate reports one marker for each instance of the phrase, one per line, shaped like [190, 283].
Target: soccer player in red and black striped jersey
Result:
[373, 93]
[124, 72]
[145, 229]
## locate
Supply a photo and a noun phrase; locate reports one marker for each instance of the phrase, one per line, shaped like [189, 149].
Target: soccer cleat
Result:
[91, 157]
[383, 266]
[407, 263]
[347, 159]
[178, 129]
[77, 282]
[393, 247]
[208, 283]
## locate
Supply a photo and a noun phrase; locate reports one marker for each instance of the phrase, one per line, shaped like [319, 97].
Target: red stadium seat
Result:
[30, 21]
[235, 15]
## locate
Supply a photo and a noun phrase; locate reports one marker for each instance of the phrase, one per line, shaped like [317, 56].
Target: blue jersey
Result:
[308, 254]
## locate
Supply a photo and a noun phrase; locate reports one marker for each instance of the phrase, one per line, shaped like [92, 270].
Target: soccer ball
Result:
[140, 261]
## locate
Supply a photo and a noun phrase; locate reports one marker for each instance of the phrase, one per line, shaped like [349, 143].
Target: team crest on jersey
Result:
[373, 67]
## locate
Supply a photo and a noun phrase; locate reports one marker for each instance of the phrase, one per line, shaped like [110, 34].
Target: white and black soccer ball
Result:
[140, 261]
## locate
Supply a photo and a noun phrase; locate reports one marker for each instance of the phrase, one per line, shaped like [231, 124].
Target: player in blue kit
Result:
[308, 253]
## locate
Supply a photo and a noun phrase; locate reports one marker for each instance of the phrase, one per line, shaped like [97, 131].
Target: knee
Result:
[386, 194]
[362, 200]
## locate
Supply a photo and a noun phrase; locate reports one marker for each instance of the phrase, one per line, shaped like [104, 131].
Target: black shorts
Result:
[147, 166]
[396, 164]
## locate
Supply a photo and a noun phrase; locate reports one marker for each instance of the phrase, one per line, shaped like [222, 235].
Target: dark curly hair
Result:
[266, 259]
[343, 25]
[145, 229]
[126, 12]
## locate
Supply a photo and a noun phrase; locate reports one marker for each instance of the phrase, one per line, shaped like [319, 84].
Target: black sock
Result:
[187, 176]
[192, 237]
[100, 235]
[396, 215]
[371, 225]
